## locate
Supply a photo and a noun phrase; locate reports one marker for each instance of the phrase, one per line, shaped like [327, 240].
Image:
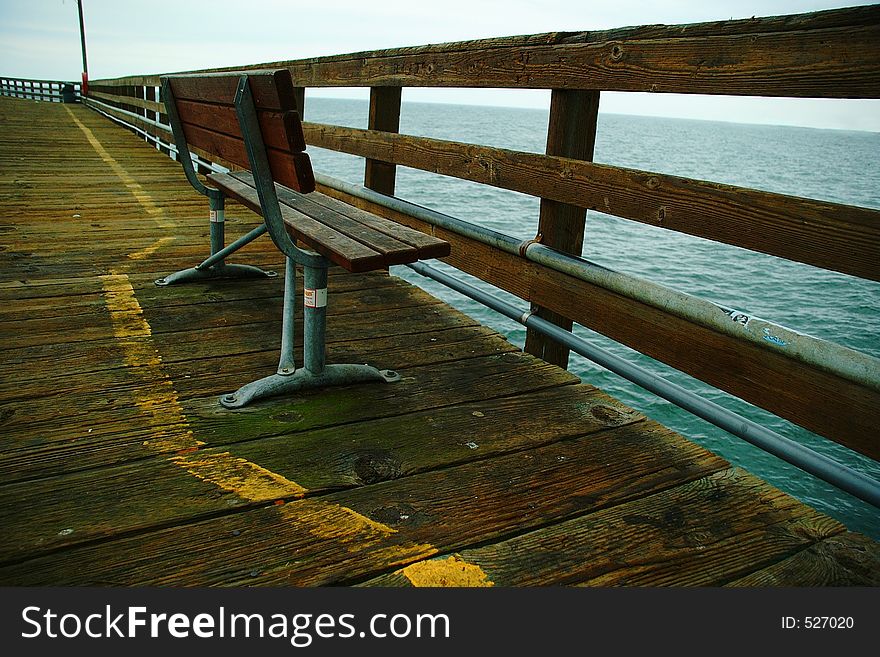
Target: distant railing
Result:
[54, 91]
[824, 387]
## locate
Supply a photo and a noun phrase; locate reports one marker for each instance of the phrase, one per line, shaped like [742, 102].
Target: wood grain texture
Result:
[332, 244]
[832, 63]
[385, 117]
[151, 105]
[291, 169]
[215, 130]
[824, 403]
[271, 91]
[571, 133]
[824, 54]
[377, 451]
[828, 235]
[282, 131]
[473, 501]
[845, 559]
[344, 237]
[669, 539]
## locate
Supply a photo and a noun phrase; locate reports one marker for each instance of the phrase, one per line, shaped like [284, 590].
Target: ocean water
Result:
[834, 165]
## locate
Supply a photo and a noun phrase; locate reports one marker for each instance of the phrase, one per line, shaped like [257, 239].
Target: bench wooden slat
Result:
[376, 232]
[271, 90]
[395, 252]
[292, 170]
[279, 130]
[428, 246]
[336, 247]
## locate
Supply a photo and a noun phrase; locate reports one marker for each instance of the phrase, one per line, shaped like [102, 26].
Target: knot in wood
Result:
[616, 53]
[373, 466]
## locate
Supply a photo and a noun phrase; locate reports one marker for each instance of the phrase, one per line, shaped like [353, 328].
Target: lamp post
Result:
[84, 90]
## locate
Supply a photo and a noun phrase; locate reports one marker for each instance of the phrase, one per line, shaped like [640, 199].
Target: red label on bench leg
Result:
[315, 298]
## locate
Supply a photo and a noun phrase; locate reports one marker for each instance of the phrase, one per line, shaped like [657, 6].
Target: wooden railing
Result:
[831, 54]
[57, 91]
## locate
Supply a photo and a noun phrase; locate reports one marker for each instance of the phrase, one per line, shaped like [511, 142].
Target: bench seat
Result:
[350, 237]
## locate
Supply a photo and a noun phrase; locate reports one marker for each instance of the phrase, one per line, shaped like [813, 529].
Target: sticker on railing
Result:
[769, 337]
[315, 298]
[736, 316]
[217, 216]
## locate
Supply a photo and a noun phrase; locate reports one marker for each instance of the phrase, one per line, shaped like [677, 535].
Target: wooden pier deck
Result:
[483, 466]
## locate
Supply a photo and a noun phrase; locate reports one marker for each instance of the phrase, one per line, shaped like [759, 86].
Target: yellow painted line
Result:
[239, 475]
[449, 572]
[150, 250]
[130, 183]
[158, 400]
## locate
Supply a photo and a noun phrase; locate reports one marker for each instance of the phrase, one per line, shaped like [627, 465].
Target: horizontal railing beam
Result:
[151, 105]
[820, 54]
[834, 63]
[829, 405]
[833, 236]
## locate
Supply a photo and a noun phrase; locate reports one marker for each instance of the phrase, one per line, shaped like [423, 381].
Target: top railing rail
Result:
[829, 54]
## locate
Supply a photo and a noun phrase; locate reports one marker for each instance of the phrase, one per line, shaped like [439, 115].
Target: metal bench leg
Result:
[215, 266]
[314, 374]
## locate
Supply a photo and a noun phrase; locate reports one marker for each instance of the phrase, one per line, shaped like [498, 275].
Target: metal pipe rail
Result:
[843, 477]
[831, 357]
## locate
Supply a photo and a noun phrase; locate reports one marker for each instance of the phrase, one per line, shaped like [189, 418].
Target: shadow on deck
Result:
[483, 466]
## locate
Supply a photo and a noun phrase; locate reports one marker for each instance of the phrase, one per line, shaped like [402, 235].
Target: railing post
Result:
[299, 96]
[142, 95]
[571, 133]
[162, 118]
[385, 116]
[150, 94]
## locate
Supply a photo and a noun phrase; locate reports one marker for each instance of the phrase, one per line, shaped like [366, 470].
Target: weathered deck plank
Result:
[699, 534]
[118, 466]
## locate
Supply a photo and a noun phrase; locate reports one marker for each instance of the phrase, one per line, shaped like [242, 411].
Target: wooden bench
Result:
[251, 121]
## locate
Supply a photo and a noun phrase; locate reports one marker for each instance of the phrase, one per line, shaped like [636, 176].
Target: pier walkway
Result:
[484, 466]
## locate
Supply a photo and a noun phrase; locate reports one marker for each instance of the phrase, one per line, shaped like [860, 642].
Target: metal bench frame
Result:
[288, 378]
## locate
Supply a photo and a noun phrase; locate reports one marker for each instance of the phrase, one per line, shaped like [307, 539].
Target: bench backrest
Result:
[206, 107]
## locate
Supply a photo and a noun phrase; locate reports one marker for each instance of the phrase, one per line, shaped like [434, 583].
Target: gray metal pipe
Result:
[847, 479]
[842, 361]
[232, 248]
[157, 124]
[287, 362]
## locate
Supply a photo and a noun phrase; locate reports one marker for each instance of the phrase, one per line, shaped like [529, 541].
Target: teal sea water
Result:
[832, 165]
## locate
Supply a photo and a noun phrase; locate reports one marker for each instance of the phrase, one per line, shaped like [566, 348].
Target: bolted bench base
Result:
[303, 379]
[315, 373]
[215, 265]
[217, 271]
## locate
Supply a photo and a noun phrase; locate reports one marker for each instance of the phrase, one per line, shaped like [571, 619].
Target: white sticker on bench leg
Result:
[315, 298]
[218, 216]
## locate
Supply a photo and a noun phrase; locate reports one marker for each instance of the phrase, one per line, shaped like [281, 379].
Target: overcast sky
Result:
[40, 39]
